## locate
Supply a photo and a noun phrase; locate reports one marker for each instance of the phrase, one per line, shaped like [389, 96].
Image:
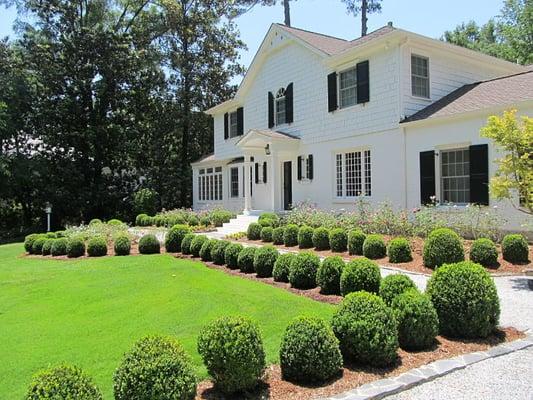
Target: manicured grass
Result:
[89, 312]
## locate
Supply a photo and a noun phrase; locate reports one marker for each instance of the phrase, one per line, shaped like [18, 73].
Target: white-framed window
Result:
[419, 76]
[233, 131]
[210, 184]
[348, 88]
[353, 174]
[455, 176]
[234, 182]
[281, 116]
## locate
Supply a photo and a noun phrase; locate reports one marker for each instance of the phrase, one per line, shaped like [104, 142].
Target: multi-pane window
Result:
[210, 184]
[234, 182]
[233, 131]
[348, 88]
[353, 174]
[281, 117]
[305, 167]
[420, 76]
[455, 176]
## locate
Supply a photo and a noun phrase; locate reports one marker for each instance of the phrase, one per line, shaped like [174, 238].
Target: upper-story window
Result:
[281, 115]
[420, 76]
[233, 125]
[348, 88]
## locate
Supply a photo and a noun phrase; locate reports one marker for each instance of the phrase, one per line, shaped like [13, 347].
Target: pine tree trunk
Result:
[287, 12]
[364, 19]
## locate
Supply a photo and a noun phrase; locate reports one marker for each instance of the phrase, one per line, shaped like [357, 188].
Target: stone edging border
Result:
[407, 380]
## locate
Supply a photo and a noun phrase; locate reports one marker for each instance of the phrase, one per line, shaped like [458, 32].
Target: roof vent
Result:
[389, 24]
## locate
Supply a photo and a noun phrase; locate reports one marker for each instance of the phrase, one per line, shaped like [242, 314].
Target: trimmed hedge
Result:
[254, 231]
[264, 259]
[399, 250]
[28, 241]
[394, 285]
[95, 221]
[484, 252]
[231, 255]
[338, 240]
[305, 237]
[114, 222]
[207, 247]
[75, 248]
[156, 367]
[271, 218]
[356, 238]
[186, 243]
[246, 259]
[374, 247]
[515, 248]
[232, 351]
[366, 330]
[122, 245]
[59, 247]
[321, 239]
[309, 351]
[149, 244]
[328, 276]
[290, 235]
[47, 247]
[282, 267]
[196, 244]
[218, 252]
[266, 234]
[97, 247]
[277, 235]
[443, 246]
[302, 274]
[37, 246]
[360, 274]
[466, 300]
[143, 220]
[174, 238]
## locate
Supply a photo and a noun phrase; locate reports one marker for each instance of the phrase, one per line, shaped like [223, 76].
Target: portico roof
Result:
[261, 137]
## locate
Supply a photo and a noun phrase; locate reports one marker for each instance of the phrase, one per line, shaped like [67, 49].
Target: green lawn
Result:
[89, 312]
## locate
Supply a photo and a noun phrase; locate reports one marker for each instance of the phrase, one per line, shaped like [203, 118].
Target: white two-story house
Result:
[391, 116]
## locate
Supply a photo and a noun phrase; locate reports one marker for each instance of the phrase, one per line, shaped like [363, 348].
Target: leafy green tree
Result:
[363, 7]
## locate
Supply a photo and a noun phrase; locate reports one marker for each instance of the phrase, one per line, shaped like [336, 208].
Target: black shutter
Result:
[226, 127]
[299, 168]
[256, 173]
[289, 114]
[363, 82]
[427, 176]
[479, 174]
[332, 92]
[310, 158]
[264, 172]
[270, 110]
[240, 121]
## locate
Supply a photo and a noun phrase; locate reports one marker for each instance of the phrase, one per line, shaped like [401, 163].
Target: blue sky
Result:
[426, 17]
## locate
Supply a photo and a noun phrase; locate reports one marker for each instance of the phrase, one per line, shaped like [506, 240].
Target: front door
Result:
[287, 185]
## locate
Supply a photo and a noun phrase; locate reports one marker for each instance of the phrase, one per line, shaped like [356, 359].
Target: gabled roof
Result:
[266, 135]
[503, 91]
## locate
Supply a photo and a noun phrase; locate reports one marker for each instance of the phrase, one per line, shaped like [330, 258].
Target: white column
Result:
[247, 197]
[274, 177]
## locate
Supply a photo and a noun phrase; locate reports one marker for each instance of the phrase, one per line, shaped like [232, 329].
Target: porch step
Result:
[235, 225]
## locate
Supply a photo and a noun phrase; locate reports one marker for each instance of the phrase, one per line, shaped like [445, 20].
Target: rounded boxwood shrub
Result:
[418, 323]
[232, 351]
[356, 238]
[246, 259]
[205, 250]
[174, 238]
[47, 247]
[266, 234]
[95, 221]
[514, 248]
[321, 239]
[59, 247]
[484, 252]
[466, 300]
[282, 267]
[443, 246]
[218, 252]
[149, 244]
[37, 246]
[338, 240]
[97, 247]
[28, 241]
[399, 250]
[193, 220]
[271, 217]
[277, 235]
[254, 231]
[304, 267]
[374, 247]
[231, 255]
[366, 330]
[393, 285]
[50, 235]
[197, 243]
[328, 276]
[205, 220]
[76, 248]
[264, 260]
[186, 243]
[309, 351]
[265, 222]
[290, 235]
[122, 245]
[60, 234]
[305, 237]
[114, 222]
[62, 382]
[142, 220]
[360, 274]
[156, 367]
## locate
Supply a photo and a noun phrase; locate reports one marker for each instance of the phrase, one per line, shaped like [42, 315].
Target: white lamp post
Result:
[48, 211]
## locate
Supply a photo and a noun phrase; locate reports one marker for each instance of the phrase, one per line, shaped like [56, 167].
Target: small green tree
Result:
[515, 169]
[145, 202]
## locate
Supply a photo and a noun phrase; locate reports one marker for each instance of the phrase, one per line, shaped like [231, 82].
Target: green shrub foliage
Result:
[205, 221]
[356, 238]
[418, 323]
[282, 267]
[62, 382]
[304, 267]
[360, 274]
[218, 252]
[59, 247]
[443, 246]
[207, 247]
[231, 255]
[366, 330]
[186, 243]
[37, 246]
[254, 231]
[50, 235]
[97, 246]
[271, 218]
[393, 285]
[484, 252]
[193, 220]
[338, 240]
[277, 235]
[305, 237]
[266, 234]
[309, 351]
[47, 247]
[515, 249]
[197, 243]
[149, 244]
[174, 238]
[290, 235]
[264, 260]
[142, 220]
[95, 221]
[28, 242]
[246, 259]
[156, 367]
[399, 250]
[122, 245]
[321, 238]
[75, 247]
[466, 300]
[232, 351]
[374, 247]
[114, 222]
[329, 273]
